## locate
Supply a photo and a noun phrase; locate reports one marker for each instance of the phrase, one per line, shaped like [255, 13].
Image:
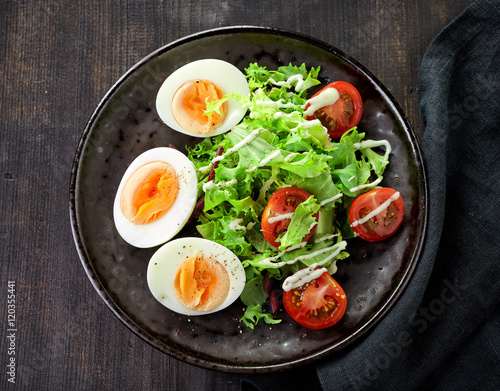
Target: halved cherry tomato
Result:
[377, 214]
[283, 201]
[344, 114]
[317, 304]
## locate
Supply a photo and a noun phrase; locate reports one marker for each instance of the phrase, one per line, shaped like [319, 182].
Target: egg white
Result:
[223, 74]
[167, 226]
[165, 262]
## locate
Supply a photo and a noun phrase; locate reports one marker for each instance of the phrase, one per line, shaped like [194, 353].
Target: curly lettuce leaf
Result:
[253, 314]
[301, 223]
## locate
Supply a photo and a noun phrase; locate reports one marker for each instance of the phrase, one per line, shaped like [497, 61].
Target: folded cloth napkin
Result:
[444, 331]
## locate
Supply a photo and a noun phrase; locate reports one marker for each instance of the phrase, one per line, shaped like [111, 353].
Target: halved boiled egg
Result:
[181, 99]
[195, 276]
[156, 197]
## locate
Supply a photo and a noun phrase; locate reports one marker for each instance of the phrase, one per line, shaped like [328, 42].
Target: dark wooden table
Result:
[57, 60]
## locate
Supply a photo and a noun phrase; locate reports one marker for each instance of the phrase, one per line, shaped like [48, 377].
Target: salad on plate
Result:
[280, 197]
[283, 188]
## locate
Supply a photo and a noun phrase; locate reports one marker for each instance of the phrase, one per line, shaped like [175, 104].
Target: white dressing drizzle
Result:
[309, 275]
[268, 261]
[235, 225]
[326, 201]
[280, 114]
[325, 98]
[280, 217]
[311, 124]
[275, 104]
[265, 161]
[290, 157]
[302, 277]
[247, 140]
[277, 83]
[313, 225]
[338, 247]
[211, 184]
[308, 124]
[376, 211]
[299, 79]
[296, 247]
[373, 144]
[361, 187]
[325, 238]
[208, 186]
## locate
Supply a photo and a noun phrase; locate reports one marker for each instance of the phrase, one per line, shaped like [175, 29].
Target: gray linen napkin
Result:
[444, 332]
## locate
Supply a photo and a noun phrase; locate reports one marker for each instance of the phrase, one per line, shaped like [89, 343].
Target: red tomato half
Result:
[282, 201]
[317, 304]
[386, 209]
[344, 114]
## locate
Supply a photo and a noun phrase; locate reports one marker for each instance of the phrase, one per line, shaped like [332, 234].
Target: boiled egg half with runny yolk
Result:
[181, 99]
[155, 198]
[195, 276]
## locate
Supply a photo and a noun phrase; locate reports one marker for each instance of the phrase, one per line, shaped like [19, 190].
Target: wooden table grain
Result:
[57, 60]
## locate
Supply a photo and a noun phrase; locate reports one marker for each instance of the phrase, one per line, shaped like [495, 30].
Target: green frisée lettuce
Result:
[301, 223]
[274, 146]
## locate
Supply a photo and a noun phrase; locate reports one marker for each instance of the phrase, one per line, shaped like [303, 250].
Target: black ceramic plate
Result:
[126, 124]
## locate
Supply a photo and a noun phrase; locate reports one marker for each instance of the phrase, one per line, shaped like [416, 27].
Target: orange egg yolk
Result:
[201, 283]
[189, 105]
[149, 192]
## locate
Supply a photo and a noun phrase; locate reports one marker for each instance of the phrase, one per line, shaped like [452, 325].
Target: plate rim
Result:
[178, 354]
